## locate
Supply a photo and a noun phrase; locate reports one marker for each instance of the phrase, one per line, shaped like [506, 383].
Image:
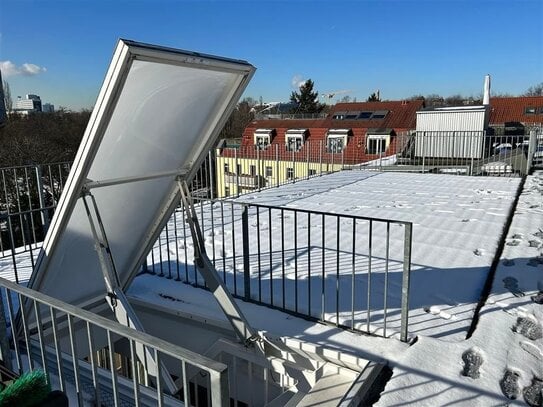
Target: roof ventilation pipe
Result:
[486, 91]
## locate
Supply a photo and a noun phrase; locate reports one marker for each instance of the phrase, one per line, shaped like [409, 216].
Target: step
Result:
[285, 399]
[328, 391]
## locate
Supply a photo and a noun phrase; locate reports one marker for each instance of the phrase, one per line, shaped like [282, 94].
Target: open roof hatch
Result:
[158, 113]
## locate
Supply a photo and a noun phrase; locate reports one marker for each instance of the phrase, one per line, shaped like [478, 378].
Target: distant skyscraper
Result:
[2, 102]
[48, 108]
[31, 104]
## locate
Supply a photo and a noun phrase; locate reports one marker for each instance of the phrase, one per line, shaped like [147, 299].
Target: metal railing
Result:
[446, 152]
[28, 197]
[274, 164]
[62, 340]
[470, 152]
[351, 271]
[291, 116]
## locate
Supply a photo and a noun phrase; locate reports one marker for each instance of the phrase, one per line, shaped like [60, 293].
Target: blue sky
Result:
[61, 49]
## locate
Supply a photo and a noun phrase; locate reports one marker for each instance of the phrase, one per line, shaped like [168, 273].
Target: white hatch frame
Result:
[158, 113]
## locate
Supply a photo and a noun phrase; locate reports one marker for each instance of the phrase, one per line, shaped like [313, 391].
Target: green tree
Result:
[8, 101]
[241, 116]
[373, 98]
[306, 100]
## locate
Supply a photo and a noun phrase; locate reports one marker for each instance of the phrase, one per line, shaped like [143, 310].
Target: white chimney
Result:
[486, 91]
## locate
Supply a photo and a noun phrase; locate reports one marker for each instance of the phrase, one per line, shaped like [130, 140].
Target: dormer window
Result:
[262, 138]
[529, 110]
[294, 139]
[377, 140]
[339, 115]
[336, 140]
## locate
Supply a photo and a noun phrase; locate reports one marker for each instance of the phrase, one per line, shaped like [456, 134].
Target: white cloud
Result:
[8, 68]
[297, 81]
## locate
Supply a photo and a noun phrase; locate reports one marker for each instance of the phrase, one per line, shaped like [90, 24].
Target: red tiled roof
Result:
[513, 109]
[401, 116]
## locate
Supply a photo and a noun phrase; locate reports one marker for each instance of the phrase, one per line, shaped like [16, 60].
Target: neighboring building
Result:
[451, 132]
[3, 113]
[512, 115]
[31, 104]
[48, 108]
[274, 151]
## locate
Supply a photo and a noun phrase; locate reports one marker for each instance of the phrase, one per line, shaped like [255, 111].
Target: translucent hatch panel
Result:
[158, 113]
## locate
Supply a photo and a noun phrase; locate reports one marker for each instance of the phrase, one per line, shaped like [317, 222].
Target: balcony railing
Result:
[72, 366]
[243, 180]
[350, 271]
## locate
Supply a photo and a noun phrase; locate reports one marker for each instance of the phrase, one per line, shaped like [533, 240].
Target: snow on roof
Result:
[457, 222]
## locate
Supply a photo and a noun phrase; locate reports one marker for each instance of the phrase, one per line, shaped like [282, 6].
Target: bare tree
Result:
[536, 90]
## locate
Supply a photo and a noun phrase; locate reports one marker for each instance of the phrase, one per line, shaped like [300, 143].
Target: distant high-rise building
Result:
[2, 102]
[31, 104]
[48, 108]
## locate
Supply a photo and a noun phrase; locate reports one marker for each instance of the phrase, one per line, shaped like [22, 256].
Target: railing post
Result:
[218, 382]
[307, 158]
[5, 355]
[245, 239]
[238, 168]
[423, 149]
[408, 236]
[531, 149]
[211, 174]
[43, 212]
[258, 168]
[277, 165]
[320, 157]
[293, 168]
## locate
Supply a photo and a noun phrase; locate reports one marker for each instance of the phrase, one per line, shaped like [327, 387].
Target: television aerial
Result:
[330, 95]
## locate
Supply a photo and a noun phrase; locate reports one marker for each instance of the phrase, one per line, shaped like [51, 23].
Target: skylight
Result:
[379, 114]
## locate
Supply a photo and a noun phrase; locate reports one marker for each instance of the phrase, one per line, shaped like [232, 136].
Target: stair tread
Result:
[328, 391]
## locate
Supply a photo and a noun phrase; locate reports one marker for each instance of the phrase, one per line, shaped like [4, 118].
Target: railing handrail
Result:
[15, 167]
[144, 338]
[308, 211]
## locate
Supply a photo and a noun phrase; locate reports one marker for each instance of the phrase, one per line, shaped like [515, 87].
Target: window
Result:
[376, 144]
[294, 139]
[336, 140]
[339, 115]
[380, 114]
[226, 191]
[365, 115]
[541, 110]
[262, 138]
[335, 144]
[290, 173]
[262, 142]
[269, 172]
[238, 168]
[529, 110]
[252, 170]
[294, 143]
[312, 172]
[352, 115]
[226, 168]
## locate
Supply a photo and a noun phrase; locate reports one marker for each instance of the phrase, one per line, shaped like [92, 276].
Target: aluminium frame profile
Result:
[115, 297]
